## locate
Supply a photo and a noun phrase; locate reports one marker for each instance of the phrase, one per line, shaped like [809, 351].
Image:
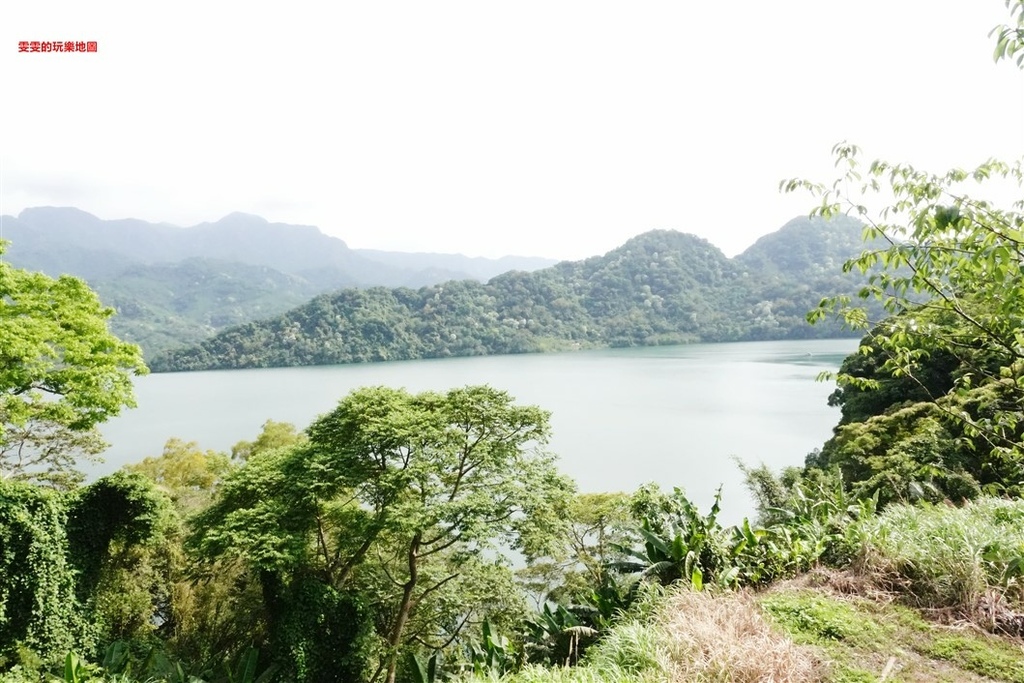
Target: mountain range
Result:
[661, 287]
[173, 286]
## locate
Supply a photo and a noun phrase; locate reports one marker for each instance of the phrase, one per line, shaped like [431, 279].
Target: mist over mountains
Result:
[173, 286]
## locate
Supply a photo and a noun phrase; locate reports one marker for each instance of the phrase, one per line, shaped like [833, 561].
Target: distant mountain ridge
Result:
[50, 236]
[174, 286]
[661, 287]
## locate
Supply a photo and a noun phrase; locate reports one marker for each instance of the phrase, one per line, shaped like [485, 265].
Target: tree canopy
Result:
[61, 372]
[395, 497]
[932, 401]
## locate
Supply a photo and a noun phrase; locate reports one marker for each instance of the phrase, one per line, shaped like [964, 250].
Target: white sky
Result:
[548, 127]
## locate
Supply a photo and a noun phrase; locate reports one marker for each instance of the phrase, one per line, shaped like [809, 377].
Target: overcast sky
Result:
[549, 128]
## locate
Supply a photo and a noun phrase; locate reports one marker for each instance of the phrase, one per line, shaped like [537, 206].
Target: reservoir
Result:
[675, 415]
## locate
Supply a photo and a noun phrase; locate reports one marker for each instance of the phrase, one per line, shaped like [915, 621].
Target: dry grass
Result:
[724, 637]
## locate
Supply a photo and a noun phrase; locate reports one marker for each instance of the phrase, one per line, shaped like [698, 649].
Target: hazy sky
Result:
[547, 127]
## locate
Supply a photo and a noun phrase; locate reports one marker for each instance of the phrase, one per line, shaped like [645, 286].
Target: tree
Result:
[272, 435]
[56, 548]
[950, 277]
[444, 475]
[932, 401]
[61, 373]
[186, 473]
[395, 500]
[597, 524]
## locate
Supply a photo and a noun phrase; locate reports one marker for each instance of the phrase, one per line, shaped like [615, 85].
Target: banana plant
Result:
[423, 672]
[681, 545]
[244, 670]
[77, 670]
[558, 637]
[493, 654]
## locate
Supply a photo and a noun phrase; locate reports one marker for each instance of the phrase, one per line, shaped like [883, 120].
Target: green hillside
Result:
[662, 287]
[165, 305]
[174, 286]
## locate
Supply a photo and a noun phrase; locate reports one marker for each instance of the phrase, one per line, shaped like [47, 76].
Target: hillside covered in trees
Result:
[173, 286]
[662, 287]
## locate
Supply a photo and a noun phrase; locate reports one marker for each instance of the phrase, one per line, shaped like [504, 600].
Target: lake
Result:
[676, 415]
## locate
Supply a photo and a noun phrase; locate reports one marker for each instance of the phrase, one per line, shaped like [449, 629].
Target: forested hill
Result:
[662, 287]
[173, 286]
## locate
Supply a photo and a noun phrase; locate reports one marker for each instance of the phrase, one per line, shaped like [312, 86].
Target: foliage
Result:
[39, 609]
[54, 548]
[809, 518]
[941, 380]
[678, 541]
[1010, 38]
[864, 633]
[120, 507]
[186, 473]
[814, 618]
[908, 437]
[319, 633]
[682, 634]
[494, 653]
[61, 373]
[597, 526]
[557, 637]
[966, 558]
[272, 435]
[1000, 662]
[659, 288]
[396, 497]
[43, 451]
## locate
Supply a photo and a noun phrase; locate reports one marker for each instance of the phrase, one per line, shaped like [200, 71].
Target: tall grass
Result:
[697, 637]
[724, 637]
[951, 557]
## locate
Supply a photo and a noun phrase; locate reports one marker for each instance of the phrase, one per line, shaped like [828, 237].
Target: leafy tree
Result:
[444, 475]
[272, 435]
[597, 525]
[951, 280]
[186, 473]
[932, 402]
[394, 500]
[61, 374]
[43, 451]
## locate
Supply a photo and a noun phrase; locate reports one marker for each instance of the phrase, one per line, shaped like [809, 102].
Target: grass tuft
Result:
[724, 637]
[949, 557]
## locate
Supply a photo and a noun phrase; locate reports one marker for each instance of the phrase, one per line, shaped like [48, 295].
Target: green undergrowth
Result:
[698, 637]
[863, 638]
[949, 557]
[802, 630]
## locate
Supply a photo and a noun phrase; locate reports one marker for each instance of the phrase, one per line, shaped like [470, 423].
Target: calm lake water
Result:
[675, 415]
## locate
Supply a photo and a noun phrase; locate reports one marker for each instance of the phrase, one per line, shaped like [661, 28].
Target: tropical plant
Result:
[678, 541]
[557, 637]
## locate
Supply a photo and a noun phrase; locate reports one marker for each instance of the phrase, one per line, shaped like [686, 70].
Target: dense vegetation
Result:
[176, 286]
[369, 546]
[662, 287]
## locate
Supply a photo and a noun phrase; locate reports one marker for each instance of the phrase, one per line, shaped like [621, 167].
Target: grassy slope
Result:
[863, 634]
[821, 627]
